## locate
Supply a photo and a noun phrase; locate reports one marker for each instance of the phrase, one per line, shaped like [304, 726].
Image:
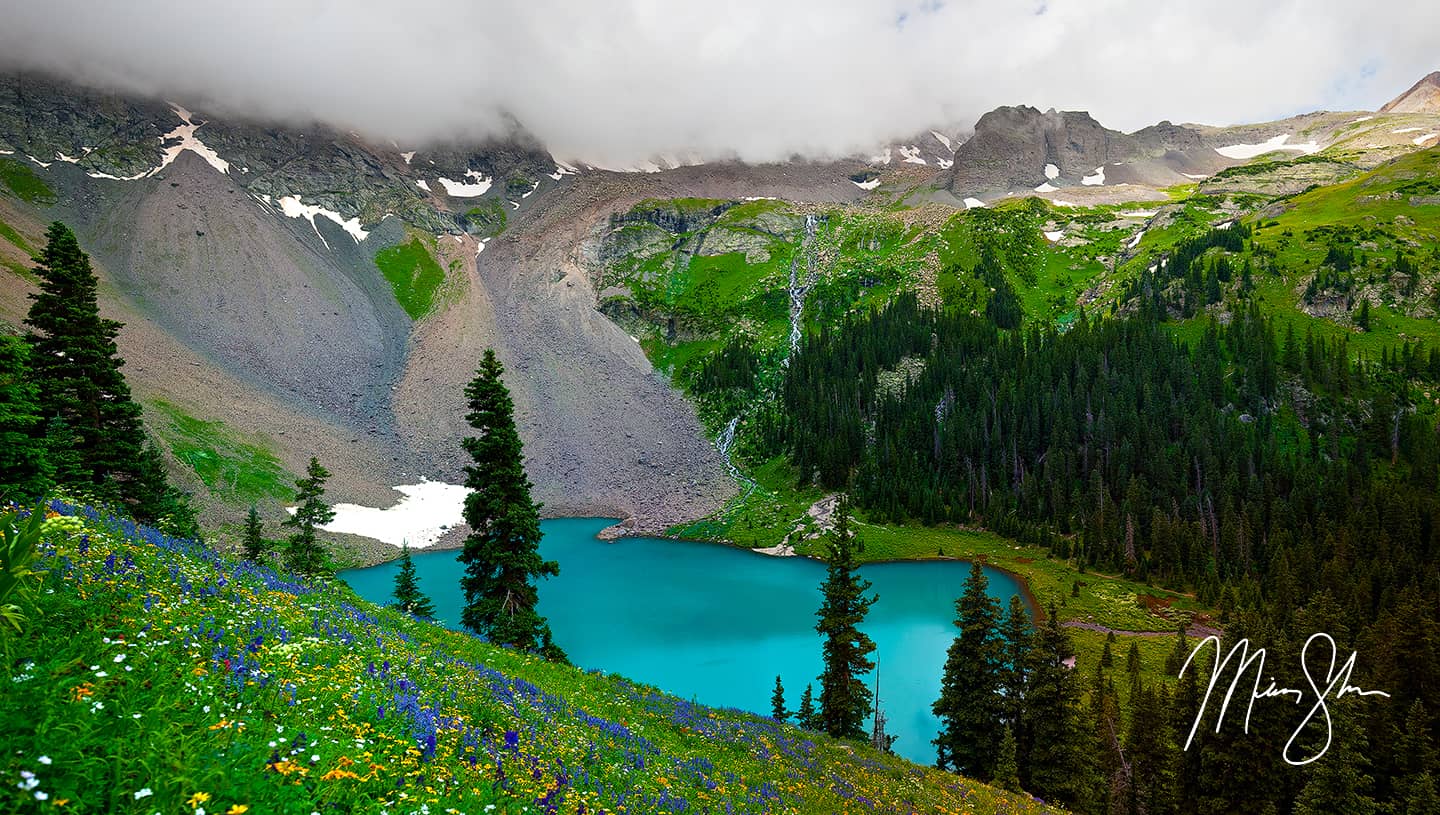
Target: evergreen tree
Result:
[1007, 770]
[805, 716]
[1419, 796]
[252, 541]
[1017, 637]
[844, 699]
[502, 553]
[303, 552]
[1338, 781]
[969, 706]
[1153, 755]
[61, 453]
[1058, 765]
[1417, 759]
[408, 596]
[24, 470]
[154, 498]
[777, 702]
[75, 364]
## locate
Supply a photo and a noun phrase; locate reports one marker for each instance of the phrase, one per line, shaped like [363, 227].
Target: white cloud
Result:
[625, 81]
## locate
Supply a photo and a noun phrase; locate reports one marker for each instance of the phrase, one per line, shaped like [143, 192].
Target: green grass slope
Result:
[158, 676]
[413, 275]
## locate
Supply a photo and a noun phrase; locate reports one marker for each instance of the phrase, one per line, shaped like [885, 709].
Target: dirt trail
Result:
[1193, 631]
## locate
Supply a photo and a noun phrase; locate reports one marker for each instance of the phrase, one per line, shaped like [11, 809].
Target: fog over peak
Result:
[760, 80]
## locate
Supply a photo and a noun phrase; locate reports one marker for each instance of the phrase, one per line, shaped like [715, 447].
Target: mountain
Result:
[1022, 148]
[281, 282]
[1423, 97]
[1187, 378]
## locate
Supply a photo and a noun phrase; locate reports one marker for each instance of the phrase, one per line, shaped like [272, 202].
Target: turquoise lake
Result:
[716, 624]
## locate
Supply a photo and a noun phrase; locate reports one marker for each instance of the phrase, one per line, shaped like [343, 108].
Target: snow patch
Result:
[1057, 202]
[477, 186]
[1135, 241]
[1361, 119]
[408, 156]
[912, 155]
[1422, 139]
[973, 203]
[68, 159]
[1046, 187]
[184, 135]
[866, 185]
[425, 512]
[291, 207]
[1052, 172]
[1269, 146]
[1408, 130]
[1195, 176]
[761, 198]
[423, 185]
[480, 247]
[4, 152]
[1140, 213]
[1054, 236]
[944, 163]
[136, 177]
[1096, 179]
[38, 161]
[943, 139]
[532, 190]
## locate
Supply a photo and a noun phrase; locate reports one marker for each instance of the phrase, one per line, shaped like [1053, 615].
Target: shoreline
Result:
[621, 532]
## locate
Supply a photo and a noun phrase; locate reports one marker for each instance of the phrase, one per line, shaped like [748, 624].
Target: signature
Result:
[1336, 684]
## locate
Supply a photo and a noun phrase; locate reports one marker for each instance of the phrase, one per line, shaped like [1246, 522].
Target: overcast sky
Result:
[761, 79]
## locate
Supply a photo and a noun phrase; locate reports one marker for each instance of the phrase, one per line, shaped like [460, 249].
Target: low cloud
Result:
[624, 80]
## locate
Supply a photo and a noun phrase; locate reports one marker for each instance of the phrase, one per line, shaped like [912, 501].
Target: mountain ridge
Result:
[255, 248]
[1422, 97]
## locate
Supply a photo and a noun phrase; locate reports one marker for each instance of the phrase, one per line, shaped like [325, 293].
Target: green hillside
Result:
[155, 675]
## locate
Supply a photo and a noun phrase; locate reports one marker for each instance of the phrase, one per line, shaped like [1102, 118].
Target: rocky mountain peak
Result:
[1020, 147]
[1423, 97]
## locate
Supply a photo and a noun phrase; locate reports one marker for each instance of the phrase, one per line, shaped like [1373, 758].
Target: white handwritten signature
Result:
[1337, 682]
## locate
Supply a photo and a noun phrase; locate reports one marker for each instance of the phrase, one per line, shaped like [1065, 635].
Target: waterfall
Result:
[798, 291]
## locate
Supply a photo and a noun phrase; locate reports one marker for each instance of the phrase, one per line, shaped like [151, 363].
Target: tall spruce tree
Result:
[777, 702]
[1339, 781]
[845, 653]
[76, 365]
[969, 706]
[408, 596]
[805, 716]
[502, 553]
[1058, 763]
[1007, 768]
[1153, 755]
[252, 540]
[25, 471]
[303, 552]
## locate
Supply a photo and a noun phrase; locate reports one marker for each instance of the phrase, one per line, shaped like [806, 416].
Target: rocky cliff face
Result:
[1423, 97]
[242, 259]
[115, 137]
[1021, 147]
